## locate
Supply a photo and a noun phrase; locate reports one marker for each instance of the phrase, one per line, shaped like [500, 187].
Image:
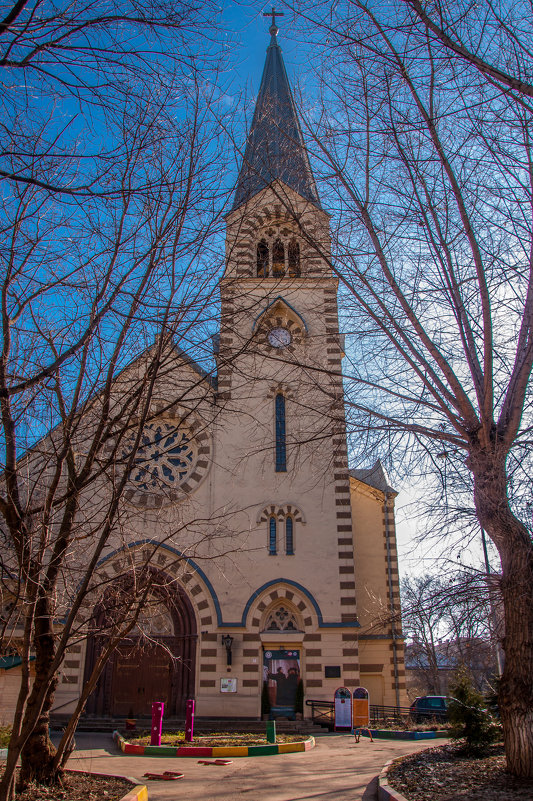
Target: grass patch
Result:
[177, 738]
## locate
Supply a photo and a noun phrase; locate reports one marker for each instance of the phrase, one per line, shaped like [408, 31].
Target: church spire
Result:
[275, 146]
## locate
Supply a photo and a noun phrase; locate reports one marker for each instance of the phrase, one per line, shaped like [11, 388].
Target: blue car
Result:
[427, 707]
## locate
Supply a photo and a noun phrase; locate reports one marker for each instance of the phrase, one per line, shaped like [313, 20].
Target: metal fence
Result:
[322, 712]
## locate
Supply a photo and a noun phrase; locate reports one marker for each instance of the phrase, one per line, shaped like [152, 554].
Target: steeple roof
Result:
[275, 146]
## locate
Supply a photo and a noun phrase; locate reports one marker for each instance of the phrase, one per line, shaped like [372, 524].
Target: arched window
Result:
[272, 535]
[281, 617]
[289, 535]
[278, 259]
[294, 259]
[262, 259]
[281, 445]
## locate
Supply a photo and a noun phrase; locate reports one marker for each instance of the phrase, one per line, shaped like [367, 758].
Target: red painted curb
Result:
[133, 749]
[194, 751]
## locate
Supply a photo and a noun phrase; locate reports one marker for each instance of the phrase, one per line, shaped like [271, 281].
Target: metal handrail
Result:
[322, 712]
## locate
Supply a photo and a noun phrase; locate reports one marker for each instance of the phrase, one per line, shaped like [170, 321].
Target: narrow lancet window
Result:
[281, 445]
[278, 259]
[294, 259]
[262, 259]
[289, 535]
[272, 535]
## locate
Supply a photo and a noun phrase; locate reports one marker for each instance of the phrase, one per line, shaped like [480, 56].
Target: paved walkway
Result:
[337, 769]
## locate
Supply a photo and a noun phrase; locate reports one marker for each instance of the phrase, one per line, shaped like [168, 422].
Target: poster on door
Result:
[281, 672]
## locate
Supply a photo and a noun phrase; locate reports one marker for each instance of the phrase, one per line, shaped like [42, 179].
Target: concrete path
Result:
[337, 769]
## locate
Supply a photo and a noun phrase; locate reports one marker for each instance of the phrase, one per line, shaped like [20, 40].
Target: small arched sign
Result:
[343, 709]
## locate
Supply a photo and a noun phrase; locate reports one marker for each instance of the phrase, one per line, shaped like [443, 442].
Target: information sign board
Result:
[361, 707]
[343, 708]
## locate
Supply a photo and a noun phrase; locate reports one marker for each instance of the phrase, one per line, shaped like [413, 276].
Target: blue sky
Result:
[247, 35]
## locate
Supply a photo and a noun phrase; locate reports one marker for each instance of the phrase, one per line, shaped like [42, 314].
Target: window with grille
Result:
[281, 444]
[289, 535]
[272, 535]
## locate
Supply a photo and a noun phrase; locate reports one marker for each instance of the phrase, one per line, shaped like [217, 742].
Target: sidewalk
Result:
[337, 769]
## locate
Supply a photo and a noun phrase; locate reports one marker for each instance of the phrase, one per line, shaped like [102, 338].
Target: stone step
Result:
[87, 724]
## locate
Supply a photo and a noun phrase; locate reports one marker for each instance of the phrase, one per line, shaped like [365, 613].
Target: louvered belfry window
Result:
[278, 259]
[262, 259]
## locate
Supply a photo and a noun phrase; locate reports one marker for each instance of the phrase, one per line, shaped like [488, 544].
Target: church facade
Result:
[298, 578]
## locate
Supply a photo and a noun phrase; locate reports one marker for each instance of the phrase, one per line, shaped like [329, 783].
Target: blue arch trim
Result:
[188, 560]
[301, 589]
[255, 594]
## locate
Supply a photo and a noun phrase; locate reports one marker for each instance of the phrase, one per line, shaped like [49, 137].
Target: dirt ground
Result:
[443, 774]
[79, 787]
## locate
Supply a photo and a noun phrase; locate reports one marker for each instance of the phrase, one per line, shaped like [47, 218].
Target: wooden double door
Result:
[142, 671]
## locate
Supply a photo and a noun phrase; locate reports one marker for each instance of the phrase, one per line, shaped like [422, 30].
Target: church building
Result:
[297, 584]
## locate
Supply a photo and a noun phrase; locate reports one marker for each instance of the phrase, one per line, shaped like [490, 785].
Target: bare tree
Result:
[110, 160]
[426, 161]
[447, 617]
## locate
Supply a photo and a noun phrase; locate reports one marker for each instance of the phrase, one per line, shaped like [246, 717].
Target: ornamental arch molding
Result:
[179, 571]
[280, 513]
[283, 594]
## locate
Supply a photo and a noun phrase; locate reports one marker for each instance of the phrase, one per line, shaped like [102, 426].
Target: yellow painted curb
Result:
[139, 793]
[288, 748]
[230, 750]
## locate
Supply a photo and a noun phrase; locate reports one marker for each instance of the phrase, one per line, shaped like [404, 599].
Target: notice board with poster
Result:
[343, 708]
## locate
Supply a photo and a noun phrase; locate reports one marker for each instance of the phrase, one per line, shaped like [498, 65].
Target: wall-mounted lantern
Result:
[227, 642]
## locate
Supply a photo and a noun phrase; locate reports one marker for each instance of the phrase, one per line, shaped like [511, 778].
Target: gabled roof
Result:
[375, 476]
[275, 146]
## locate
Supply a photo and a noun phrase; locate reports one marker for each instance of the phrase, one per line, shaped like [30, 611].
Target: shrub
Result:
[299, 698]
[265, 700]
[469, 717]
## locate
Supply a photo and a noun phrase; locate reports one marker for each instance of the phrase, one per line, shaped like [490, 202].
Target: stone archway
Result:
[156, 662]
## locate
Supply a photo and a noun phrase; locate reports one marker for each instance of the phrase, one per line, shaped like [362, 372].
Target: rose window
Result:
[164, 458]
[281, 619]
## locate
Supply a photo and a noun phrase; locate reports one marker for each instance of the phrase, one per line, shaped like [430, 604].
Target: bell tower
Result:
[281, 446]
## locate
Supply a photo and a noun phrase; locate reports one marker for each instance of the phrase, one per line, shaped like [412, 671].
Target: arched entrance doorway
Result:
[155, 662]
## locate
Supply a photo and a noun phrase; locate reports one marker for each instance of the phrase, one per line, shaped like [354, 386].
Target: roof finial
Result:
[273, 30]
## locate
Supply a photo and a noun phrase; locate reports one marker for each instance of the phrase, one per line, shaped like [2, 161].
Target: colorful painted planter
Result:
[212, 751]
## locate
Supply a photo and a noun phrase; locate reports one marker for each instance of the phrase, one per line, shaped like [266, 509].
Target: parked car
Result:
[427, 707]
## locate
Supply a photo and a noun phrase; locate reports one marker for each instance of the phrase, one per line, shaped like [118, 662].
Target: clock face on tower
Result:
[279, 337]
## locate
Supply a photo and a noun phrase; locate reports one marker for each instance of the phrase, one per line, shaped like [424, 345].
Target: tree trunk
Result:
[37, 755]
[38, 751]
[515, 547]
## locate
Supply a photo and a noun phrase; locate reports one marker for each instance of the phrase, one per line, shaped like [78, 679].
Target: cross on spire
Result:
[274, 14]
